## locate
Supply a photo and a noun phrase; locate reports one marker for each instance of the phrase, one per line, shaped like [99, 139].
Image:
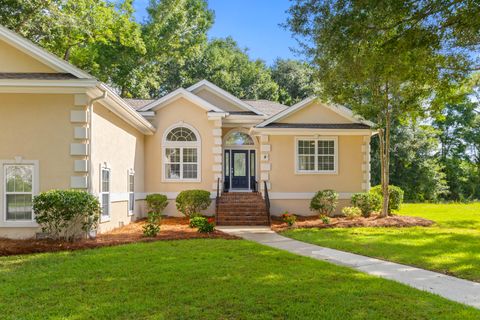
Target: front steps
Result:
[242, 209]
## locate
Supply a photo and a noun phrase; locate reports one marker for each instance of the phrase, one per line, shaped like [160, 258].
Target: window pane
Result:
[306, 147]
[227, 164]
[172, 154]
[240, 164]
[105, 180]
[252, 163]
[181, 134]
[19, 178]
[172, 171]
[105, 202]
[239, 139]
[190, 155]
[131, 183]
[306, 163]
[131, 201]
[19, 207]
[189, 171]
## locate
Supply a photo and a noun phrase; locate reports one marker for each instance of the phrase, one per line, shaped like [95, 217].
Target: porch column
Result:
[217, 166]
[265, 164]
[366, 163]
[79, 146]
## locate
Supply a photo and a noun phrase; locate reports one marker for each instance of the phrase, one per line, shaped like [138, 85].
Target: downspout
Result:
[90, 137]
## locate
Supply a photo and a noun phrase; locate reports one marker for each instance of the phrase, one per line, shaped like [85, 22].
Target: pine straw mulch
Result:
[171, 229]
[340, 222]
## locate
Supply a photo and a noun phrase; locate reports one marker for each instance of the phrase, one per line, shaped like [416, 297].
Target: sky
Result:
[254, 24]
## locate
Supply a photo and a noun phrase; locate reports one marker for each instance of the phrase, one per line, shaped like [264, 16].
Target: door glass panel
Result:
[227, 164]
[252, 163]
[240, 164]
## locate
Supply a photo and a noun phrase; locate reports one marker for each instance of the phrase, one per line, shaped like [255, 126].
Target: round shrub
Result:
[156, 202]
[324, 202]
[203, 224]
[351, 212]
[395, 196]
[367, 202]
[192, 202]
[66, 214]
[196, 222]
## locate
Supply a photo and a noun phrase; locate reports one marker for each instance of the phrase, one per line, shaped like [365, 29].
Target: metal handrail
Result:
[267, 200]
[217, 199]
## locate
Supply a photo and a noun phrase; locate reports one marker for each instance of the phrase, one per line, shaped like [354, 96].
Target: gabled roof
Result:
[340, 110]
[138, 103]
[181, 93]
[40, 54]
[267, 107]
[224, 94]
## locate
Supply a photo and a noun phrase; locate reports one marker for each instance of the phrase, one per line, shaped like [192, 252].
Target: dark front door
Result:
[240, 170]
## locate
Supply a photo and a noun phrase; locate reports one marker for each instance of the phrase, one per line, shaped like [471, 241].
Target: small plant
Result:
[325, 219]
[192, 202]
[351, 212]
[156, 204]
[289, 218]
[395, 196]
[203, 224]
[324, 202]
[367, 202]
[66, 214]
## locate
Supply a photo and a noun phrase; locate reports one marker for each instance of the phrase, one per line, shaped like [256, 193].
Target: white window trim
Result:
[131, 172]
[35, 190]
[178, 144]
[105, 218]
[317, 138]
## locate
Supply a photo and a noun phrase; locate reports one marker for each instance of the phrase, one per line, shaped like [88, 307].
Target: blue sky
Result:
[254, 24]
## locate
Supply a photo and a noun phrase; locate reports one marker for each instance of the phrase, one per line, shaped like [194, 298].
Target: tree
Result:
[376, 58]
[295, 79]
[230, 67]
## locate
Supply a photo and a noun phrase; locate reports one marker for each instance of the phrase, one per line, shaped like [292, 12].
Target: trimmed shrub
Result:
[156, 204]
[325, 219]
[203, 224]
[66, 214]
[191, 202]
[324, 202]
[367, 202]
[395, 196]
[351, 212]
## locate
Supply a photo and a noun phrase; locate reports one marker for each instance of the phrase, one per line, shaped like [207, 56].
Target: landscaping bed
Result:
[341, 222]
[171, 229]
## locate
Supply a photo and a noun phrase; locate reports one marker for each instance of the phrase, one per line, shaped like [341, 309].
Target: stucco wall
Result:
[217, 101]
[37, 127]
[121, 147]
[14, 60]
[315, 113]
[179, 110]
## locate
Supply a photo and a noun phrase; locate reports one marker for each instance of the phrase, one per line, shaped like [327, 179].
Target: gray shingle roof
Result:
[317, 125]
[267, 107]
[36, 76]
[138, 103]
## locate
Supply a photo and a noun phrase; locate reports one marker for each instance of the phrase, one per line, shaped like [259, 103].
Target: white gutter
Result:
[90, 137]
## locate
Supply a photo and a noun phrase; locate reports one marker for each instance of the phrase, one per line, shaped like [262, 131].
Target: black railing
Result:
[255, 186]
[267, 201]
[217, 199]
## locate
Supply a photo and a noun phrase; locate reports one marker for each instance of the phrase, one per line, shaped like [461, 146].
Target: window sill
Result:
[105, 219]
[182, 180]
[19, 224]
[316, 172]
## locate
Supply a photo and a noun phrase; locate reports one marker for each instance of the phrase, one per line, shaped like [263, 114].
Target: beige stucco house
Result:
[61, 128]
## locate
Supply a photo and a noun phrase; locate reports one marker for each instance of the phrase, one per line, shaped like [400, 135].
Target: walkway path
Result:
[452, 288]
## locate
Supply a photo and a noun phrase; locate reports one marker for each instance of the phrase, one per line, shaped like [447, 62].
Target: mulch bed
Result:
[171, 229]
[373, 221]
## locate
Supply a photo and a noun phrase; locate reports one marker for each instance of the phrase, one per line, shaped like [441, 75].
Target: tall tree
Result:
[295, 79]
[376, 58]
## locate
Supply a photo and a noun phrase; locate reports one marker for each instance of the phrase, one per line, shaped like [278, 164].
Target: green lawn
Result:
[204, 279]
[451, 246]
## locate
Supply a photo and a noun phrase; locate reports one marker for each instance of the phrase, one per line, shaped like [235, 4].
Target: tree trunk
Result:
[386, 168]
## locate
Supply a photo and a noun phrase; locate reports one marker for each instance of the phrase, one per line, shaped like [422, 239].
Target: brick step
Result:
[241, 214]
[240, 222]
[239, 208]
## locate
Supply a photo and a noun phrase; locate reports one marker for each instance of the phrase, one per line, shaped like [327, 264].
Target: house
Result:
[61, 128]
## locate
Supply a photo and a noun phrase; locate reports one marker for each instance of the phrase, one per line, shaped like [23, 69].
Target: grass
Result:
[204, 279]
[451, 246]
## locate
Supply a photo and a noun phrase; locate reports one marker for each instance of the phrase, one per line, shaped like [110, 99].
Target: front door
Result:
[240, 169]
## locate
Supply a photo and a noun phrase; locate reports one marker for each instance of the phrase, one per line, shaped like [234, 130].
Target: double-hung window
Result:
[316, 155]
[131, 192]
[105, 192]
[19, 191]
[181, 155]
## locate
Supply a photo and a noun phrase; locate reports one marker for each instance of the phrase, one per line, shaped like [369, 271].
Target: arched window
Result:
[238, 138]
[181, 154]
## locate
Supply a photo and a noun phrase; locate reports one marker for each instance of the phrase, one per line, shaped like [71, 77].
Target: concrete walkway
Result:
[452, 288]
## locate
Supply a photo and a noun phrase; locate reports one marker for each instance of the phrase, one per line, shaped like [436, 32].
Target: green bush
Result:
[367, 202]
[66, 214]
[204, 225]
[325, 219]
[289, 218]
[395, 196]
[324, 202]
[192, 202]
[156, 204]
[351, 212]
